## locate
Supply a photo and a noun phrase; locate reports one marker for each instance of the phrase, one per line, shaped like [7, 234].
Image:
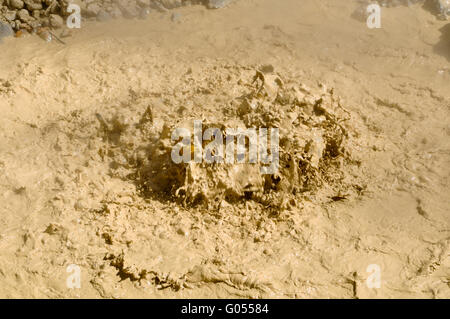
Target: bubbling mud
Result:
[314, 151]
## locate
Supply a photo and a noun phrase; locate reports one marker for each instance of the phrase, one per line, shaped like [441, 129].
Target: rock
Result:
[34, 24]
[56, 21]
[92, 10]
[171, 4]
[10, 15]
[217, 4]
[143, 3]
[23, 15]
[115, 12]
[33, 4]
[360, 13]
[16, 26]
[444, 8]
[103, 16]
[16, 4]
[36, 14]
[128, 10]
[158, 6]
[5, 30]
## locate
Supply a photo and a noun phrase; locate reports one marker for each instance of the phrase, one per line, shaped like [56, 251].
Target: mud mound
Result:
[314, 147]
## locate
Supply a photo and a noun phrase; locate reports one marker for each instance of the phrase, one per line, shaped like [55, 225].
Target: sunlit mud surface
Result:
[87, 178]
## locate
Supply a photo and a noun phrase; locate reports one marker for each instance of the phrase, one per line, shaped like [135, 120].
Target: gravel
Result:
[5, 30]
[29, 15]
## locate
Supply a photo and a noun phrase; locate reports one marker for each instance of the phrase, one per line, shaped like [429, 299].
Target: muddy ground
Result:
[364, 117]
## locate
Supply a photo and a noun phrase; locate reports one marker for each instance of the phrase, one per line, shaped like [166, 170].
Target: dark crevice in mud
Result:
[137, 275]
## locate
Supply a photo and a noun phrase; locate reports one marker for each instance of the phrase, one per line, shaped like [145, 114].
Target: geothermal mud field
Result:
[88, 180]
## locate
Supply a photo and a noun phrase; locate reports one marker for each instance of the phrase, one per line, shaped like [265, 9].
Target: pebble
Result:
[23, 15]
[444, 9]
[218, 4]
[33, 5]
[143, 3]
[56, 21]
[31, 14]
[129, 11]
[5, 30]
[103, 16]
[171, 4]
[92, 10]
[16, 4]
[10, 15]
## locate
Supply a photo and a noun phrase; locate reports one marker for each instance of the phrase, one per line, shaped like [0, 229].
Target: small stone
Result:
[92, 10]
[143, 3]
[17, 26]
[16, 4]
[45, 22]
[444, 9]
[108, 239]
[65, 33]
[36, 14]
[56, 21]
[158, 7]
[33, 4]
[217, 4]
[52, 229]
[10, 15]
[171, 4]
[103, 16]
[115, 12]
[23, 15]
[5, 30]
[34, 24]
[129, 11]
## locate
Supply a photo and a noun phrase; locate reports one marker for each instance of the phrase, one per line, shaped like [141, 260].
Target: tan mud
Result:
[86, 176]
